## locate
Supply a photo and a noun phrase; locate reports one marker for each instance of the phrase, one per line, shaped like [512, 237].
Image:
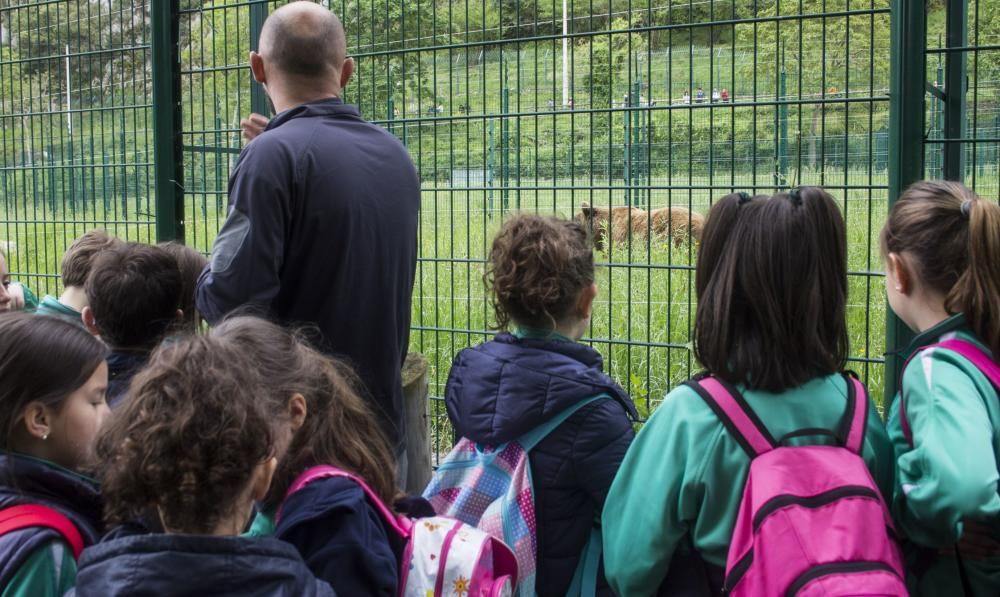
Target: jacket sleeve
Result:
[248, 254]
[50, 570]
[345, 545]
[879, 455]
[600, 446]
[655, 495]
[949, 472]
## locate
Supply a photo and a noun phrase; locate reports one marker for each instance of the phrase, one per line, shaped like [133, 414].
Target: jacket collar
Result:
[331, 106]
[26, 479]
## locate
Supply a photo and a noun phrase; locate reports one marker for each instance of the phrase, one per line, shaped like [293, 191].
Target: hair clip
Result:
[966, 209]
[795, 196]
[744, 197]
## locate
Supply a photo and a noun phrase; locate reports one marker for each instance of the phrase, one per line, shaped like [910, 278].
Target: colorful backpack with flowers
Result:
[442, 556]
[490, 487]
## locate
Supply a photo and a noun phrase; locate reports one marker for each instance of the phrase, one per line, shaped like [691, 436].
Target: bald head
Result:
[304, 39]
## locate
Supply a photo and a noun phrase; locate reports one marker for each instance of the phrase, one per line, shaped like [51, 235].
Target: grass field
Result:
[642, 317]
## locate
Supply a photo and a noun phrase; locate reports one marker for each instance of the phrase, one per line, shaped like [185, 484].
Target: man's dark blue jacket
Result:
[192, 566]
[500, 390]
[322, 231]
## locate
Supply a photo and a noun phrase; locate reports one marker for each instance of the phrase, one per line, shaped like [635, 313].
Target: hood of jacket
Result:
[502, 389]
[190, 565]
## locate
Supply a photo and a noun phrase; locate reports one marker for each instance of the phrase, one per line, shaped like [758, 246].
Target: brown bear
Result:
[676, 223]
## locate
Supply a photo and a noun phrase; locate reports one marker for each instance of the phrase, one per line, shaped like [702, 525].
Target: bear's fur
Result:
[676, 223]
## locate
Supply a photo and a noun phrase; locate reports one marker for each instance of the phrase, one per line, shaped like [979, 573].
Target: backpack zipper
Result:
[814, 501]
[837, 568]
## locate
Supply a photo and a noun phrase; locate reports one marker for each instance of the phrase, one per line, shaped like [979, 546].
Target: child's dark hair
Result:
[339, 429]
[772, 290]
[134, 292]
[81, 254]
[42, 359]
[188, 439]
[190, 263]
[538, 265]
[955, 238]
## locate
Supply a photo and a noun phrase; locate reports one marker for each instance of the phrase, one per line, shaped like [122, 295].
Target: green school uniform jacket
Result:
[51, 307]
[950, 473]
[684, 476]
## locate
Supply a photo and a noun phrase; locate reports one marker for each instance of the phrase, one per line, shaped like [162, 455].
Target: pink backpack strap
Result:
[400, 524]
[26, 516]
[855, 421]
[967, 350]
[734, 412]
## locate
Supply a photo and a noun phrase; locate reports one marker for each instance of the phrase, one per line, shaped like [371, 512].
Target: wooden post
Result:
[418, 438]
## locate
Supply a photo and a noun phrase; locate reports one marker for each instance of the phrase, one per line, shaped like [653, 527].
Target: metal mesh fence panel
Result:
[75, 129]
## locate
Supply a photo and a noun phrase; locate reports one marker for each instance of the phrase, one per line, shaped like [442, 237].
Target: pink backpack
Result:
[812, 521]
[442, 556]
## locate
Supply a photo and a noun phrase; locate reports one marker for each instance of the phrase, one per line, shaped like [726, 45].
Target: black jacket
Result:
[500, 390]
[342, 538]
[193, 566]
[322, 231]
[27, 480]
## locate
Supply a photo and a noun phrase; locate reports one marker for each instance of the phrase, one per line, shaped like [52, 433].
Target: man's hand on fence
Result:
[253, 126]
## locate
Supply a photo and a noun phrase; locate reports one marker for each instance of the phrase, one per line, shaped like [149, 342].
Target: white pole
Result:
[69, 105]
[565, 57]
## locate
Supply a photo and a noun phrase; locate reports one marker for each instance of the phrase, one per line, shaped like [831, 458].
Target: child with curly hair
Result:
[194, 445]
[541, 276]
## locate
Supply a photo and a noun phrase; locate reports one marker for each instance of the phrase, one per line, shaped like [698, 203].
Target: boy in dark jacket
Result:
[541, 273]
[134, 291]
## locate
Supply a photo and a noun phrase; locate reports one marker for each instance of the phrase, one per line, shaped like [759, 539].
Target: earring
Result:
[45, 437]
[899, 289]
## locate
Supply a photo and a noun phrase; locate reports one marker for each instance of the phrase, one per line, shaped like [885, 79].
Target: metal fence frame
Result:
[491, 130]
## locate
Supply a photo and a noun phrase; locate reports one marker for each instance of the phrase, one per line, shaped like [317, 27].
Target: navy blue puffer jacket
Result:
[27, 480]
[192, 566]
[502, 389]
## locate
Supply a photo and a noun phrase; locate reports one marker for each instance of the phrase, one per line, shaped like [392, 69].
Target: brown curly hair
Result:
[339, 428]
[186, 442]
[537, 268]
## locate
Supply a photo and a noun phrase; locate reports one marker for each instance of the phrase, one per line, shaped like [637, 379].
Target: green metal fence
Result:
[75, 128]
[506, 105]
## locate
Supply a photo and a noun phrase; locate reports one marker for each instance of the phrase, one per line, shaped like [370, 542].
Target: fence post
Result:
[782, 181]
[955, 84]
[258, 99]
[418, 440]
[906, 144]
[167, 165]
[504, 142]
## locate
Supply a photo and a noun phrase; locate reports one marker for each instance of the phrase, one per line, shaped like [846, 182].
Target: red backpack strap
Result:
[400, 524]
[967, 350]
[734, 412]
[855, 421]
[28, 516]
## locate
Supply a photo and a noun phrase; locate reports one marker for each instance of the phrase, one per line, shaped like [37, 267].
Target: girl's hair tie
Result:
[795, 196]
[744, 197]
[966, 209]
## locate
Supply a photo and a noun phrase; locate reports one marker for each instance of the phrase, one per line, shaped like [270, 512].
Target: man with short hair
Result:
[322, 228]
[134, 293]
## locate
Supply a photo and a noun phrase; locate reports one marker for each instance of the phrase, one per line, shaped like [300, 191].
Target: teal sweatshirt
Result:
[684, 476]
[949, 474]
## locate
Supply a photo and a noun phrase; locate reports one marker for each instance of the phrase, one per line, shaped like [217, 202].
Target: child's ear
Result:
[297, 411]
[585, 304]
[900, 271]
[262, 477]
[38, 420]
[88, 320]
